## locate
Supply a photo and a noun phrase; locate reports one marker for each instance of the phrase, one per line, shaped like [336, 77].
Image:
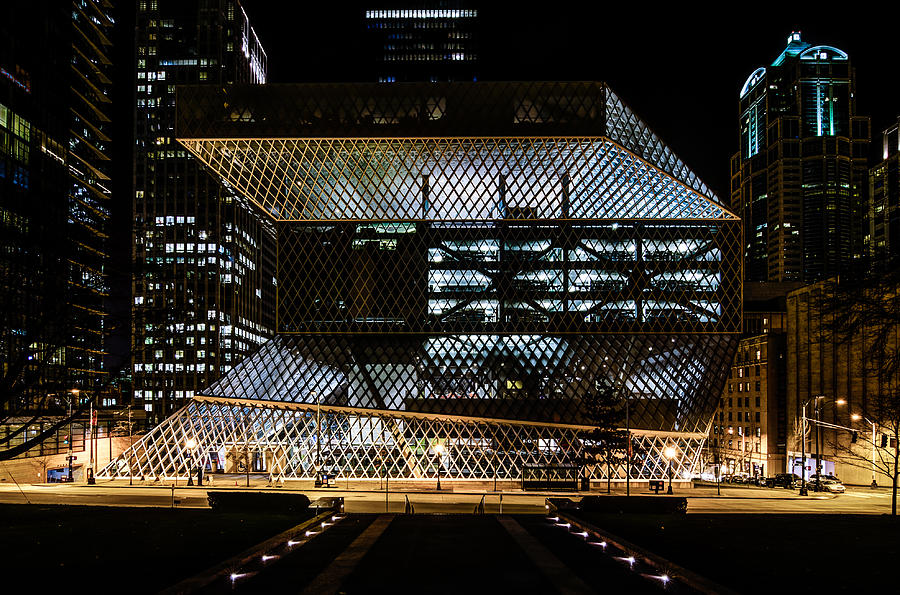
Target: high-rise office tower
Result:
[203, 285]
[55, 194]
[884, 204]
[799, 180]
[423, 41]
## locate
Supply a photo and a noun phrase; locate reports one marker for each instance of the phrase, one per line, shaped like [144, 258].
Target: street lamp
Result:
[670, 453]
[818, 422]
[857, 417]
[70, 457]
[318, 480]
[803, 490]
[439, 450]
[191, 444]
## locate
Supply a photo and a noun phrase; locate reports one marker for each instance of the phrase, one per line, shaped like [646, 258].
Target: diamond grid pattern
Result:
[452, 178]
[496, 109]
[292, 441]
[510, 276]
[669, 380]
[460, 264]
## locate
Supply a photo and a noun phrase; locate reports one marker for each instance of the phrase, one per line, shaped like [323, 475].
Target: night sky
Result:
[680, 71]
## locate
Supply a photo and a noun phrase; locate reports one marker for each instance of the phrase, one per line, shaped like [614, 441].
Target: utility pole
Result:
[874, 483]
[318, 440]
[90, 477]
[627, 447]
[130, 447]
[803, 491]
[71, 457]
[818, 454]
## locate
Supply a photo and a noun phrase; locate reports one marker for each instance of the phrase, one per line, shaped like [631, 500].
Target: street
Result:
[857, 500]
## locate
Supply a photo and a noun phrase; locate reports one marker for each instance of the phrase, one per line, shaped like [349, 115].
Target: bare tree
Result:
[867, 312]
[605, 443]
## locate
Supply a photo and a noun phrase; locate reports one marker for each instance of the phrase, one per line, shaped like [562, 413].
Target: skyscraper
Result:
[799, 180]
[884, 204]
[423, 41]
[203, 285]
[55, 193]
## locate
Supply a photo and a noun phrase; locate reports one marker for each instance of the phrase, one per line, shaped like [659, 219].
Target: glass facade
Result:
[464, 289]
[55, 194]
[203, 256]
[884, 204]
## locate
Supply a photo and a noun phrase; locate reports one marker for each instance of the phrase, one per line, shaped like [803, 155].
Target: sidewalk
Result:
[459, 488]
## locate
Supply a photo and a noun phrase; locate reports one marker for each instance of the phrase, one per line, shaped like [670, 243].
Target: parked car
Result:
[827, 476]
[830, 485]
[784, 480]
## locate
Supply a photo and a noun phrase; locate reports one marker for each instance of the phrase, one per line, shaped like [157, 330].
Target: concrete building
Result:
[748, 434]
[884, 204]
[203, 285]
[748, 431]
[827, 375]
[800, 178]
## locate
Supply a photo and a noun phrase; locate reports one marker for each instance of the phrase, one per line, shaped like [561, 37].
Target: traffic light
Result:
[884, 439]
[854, 437]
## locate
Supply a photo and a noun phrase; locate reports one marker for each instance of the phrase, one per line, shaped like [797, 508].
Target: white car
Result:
[835, 487]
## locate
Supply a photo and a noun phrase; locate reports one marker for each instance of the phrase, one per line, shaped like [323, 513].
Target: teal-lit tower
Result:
[799, 179]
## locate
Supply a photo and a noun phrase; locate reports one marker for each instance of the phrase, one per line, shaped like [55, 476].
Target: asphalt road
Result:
[700, 499]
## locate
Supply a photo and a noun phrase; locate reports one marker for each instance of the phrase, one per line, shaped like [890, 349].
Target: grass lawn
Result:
[771, 552]
[122, 550]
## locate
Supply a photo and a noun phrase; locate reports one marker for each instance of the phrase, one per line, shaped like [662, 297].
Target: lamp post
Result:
[857, 417]
[627, 447]
[818, 485]
[130, 446]
[670, 453]
[191, 444]
[318, 439]
[818, 422]
[70, 456]
[803, 490]
[439, 450]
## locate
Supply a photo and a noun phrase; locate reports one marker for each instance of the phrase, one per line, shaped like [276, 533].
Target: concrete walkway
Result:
[550, 566]
[329, 581]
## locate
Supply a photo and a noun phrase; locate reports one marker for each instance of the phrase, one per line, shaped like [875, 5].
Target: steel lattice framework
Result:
[282, 438]
[459, 264]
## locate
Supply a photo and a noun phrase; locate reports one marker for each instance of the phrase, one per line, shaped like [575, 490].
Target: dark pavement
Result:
[449, 553]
